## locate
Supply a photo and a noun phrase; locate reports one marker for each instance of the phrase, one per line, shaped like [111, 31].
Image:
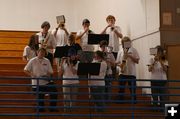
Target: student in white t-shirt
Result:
[158, 67]
[127, 59]
[39, 67]
[114, 33]
[47, 40]
[87, 49]
[61, 37]
[30, 50]
[68, 71]
[97, 87]
[83, 36]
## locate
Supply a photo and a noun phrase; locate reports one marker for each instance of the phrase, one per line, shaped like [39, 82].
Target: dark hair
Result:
[103, 43]
[42, 49]
[161, 53]
[159, 49]
[85, 21]
[32, 44]
[45, 23]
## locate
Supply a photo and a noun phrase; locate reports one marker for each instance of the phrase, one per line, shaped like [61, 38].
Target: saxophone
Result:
[124, 61]
[45, 40]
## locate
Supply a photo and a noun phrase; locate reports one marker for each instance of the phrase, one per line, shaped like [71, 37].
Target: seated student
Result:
[98, 86]
[39, 67]
[158, 68]
[110, 60]
[30, 50]
[68, 69]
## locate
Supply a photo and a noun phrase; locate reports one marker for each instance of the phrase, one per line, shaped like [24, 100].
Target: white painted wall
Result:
[135, 17]
[29, 14]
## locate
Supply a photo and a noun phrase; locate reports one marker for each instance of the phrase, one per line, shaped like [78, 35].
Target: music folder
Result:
[61, 51]
[60, 19]
[153, 51]
[88, 68]
[97, 38]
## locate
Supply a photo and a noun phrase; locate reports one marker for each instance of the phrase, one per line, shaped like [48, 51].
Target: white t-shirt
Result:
[61, 37]
[29, 53]
[158, 72]
[113, 38]
[101, 76]
[68, 74]
[51, 41]
[84, 41]
[130, 65]
[39, 68]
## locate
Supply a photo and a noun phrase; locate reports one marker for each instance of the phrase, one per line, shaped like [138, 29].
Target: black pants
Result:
[131, 82]
[108, 87]
[97, 93]
[161, 90]
[50, 57]
[42, 90]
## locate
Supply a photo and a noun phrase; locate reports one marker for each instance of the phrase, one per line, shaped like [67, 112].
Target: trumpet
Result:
[61, 25]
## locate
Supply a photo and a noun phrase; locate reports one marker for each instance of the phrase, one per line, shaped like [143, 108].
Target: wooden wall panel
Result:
[174, 68]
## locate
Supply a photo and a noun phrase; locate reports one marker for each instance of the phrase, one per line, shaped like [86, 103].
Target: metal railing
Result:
[18, 99]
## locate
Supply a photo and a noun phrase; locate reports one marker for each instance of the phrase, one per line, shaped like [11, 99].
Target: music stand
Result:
[88, 69]
[97, 38]
[115, 54]
[61, 51]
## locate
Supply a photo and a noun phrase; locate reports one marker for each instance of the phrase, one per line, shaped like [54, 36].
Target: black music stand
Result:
[61, 51]
[88, 69]
[115, 54]
[97, 38]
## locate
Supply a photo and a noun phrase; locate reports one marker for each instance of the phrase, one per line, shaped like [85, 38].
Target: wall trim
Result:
[145, 35]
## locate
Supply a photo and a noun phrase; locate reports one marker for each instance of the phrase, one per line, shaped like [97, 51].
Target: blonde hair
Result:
[125, 39]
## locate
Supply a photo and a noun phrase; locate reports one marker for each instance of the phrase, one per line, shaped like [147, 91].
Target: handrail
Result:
[145, 35]
[17, 97]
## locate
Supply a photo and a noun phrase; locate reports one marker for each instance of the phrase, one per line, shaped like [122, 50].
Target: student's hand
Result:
[86, 29]
[109, 25]
[62, 60]
[58, 26]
